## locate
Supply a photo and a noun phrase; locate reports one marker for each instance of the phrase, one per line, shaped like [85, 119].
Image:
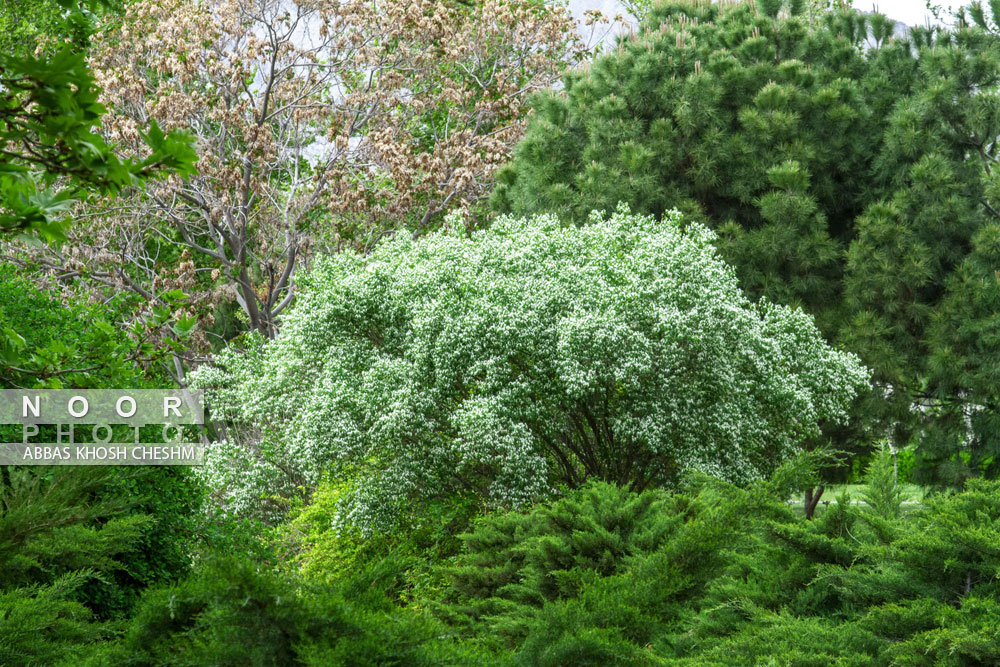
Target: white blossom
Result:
[525, 357]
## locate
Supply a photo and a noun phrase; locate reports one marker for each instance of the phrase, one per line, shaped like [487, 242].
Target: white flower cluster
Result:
[527, 356]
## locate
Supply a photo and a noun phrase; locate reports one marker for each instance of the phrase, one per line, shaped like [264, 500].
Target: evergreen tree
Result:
[846, 170]
[966, 346]
[59, 532]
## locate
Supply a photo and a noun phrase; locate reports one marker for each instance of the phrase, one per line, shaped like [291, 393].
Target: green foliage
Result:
[602, 574]
[966, 342]
[49, 117]
[601, 369]
[50, 344]
[169, 499]
[516, 565]
[60, 531]
[324, 553]
[883, 493]
[529, 356]
[25, 23]
[846, 171]
[549, 553]
[726, 576]
[44, 625]
[77, 345]
[229, 612]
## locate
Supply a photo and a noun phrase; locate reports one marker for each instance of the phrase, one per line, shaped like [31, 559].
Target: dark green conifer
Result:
[846, 171]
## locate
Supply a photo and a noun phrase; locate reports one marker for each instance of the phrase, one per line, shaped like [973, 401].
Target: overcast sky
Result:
[910, 12]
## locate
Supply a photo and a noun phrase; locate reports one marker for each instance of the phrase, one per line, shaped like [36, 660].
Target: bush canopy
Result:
[525, 357]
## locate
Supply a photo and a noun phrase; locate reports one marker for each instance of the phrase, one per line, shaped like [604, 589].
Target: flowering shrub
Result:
[519, 359]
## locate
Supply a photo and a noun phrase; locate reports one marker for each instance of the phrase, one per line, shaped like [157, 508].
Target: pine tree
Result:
[846, 170]
[966, 346]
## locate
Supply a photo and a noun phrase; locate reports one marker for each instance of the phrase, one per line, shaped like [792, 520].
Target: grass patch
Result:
[911, 492]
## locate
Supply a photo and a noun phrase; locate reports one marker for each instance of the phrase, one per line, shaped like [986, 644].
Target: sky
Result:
[910, 12]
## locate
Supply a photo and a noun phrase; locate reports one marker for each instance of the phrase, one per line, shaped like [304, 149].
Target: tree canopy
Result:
[846, 170]
[526, 357]
[53, 152]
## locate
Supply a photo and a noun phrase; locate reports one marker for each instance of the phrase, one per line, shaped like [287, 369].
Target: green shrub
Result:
[231, 612]
[45, 625]
[324, 552]
[60, 533]
[601, 565]
[719, 575]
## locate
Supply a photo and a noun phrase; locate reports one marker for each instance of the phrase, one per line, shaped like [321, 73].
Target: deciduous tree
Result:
[528, 357]
[51, 153]
[317, 123]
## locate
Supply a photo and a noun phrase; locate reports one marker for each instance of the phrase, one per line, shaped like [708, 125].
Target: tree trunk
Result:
[5, 488]
[811, 500]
